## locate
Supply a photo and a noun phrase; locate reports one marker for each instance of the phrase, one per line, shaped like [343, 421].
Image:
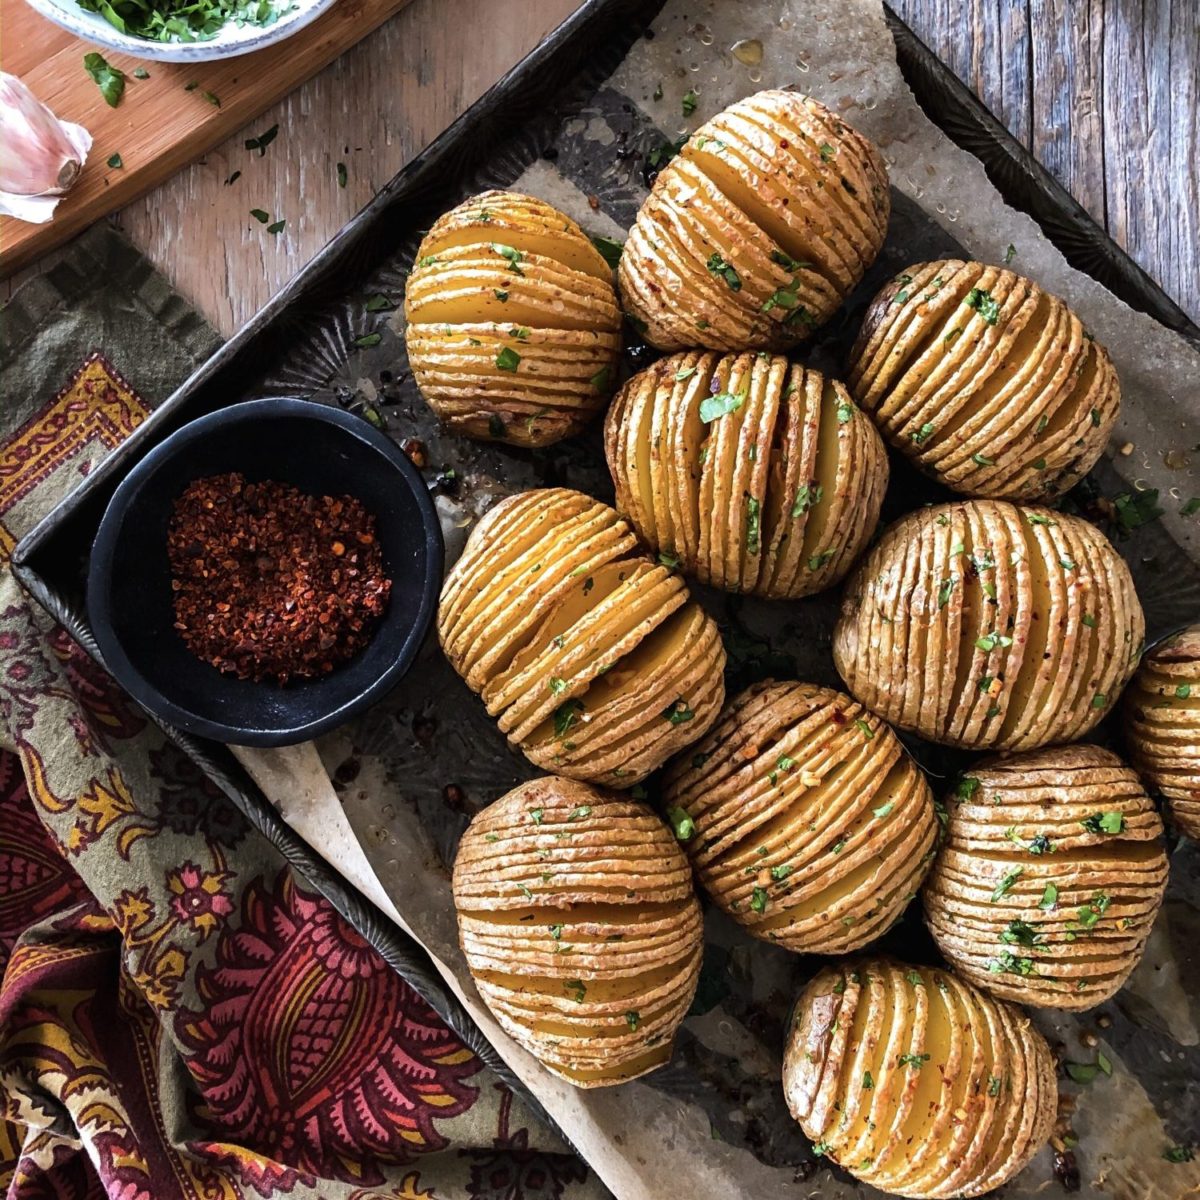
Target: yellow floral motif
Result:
[103, 802]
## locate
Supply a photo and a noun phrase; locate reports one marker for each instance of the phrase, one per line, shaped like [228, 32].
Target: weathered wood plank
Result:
[1105, 94]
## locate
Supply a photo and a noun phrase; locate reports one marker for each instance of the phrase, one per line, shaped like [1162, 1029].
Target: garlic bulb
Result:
[40, 156]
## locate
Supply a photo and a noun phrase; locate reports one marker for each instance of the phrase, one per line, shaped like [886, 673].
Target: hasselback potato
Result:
[513, 325]
[593, 658]
[581, 929]
[915, 1082]
[1050, 877]
[984, 380]
[757, 230]
[984, 624]
[1162, 708]
[752, 473]
[804, 817]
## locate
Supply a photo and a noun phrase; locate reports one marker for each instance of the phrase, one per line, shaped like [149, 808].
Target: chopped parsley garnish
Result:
[580, 813]
[1010, 254]
[233, 178]
[968, 785]
[923, 434]
[1179, 1154]
[944, 591]
[633, 1019]
[513, 256]
[1049, 898]
[557, 686]
[508, 359]
[682, 824]
[1107, 822]
[752, 525]
[723, 270]
[684, 373]
[993, 1085]
[914, 1060]
[845, 410]
[817, 561]
[826, 151]
[990, 641]
[688, 103]
[600, 381]
[1136, 509]
[609, 248]
[758, 900]
[277, 227]
[806, 497]
[1020, 933]
[140, 73]
[678, 713]
[1191, 506]
[565, 715]
[1183, 690]
[884, 810]
[342, 175]
[712, 407]
[868, 1083]
[536, 814]
[109, 79]
[984, 304]
[1092, 911]
[263, 140]
[1040, 519]
[781, 872]
[114, 160]
[576, 988]
[1011, 964]
[670, 561]
[368, 339]
[867, 732]
[982, 460]
[1004, 886]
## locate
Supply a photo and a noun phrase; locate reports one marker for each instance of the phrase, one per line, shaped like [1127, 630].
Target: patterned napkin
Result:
[180, 1016]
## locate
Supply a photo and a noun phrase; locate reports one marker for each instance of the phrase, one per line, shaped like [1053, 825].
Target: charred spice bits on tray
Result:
[271, 583]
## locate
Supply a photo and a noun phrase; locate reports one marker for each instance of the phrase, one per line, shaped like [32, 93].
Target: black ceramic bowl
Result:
[319, 450]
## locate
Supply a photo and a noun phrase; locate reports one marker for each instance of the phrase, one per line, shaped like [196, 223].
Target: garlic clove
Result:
[40, 156]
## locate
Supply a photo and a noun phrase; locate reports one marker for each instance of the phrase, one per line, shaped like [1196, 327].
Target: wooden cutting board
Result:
[159, 126]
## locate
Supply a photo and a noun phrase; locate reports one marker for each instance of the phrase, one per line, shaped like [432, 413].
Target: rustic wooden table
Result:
[1105, 92]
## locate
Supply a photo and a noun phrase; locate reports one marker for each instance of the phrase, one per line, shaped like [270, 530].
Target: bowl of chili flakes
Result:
[266, 572]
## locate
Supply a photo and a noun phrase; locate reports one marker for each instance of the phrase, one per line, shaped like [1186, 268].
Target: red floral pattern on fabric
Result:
[308, 1047]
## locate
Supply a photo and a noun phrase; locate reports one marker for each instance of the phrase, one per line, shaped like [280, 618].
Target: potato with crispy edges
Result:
[757, 230]
[594, 660]
[983, 624]
[987, 382]
[1162, 707]
[513, 326]
[915, 1082]
[579, 923]
[1050, 877]
[805, 818]
[754, 474]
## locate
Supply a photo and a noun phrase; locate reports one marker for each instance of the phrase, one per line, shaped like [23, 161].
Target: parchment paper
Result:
[410, 773]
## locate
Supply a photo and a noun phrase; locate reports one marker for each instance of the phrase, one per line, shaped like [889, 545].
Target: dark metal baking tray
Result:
[303, 340]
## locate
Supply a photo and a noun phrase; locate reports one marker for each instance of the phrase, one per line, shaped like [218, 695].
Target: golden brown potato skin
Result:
[513, 327]
[813, 827]
[752, 473]
[915, 1082]
[1050, 877]
[575, 907]
[987, 625]
[985, 381]
[757, 230]
[593, 659]
[1162, 730]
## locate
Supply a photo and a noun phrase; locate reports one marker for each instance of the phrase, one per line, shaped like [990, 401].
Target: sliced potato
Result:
[984, 624]
[513, 327]
[1050, 876]
[805, 819]
[580, 926]
[751, 473]
[1162, 708]
[592, 658]
[757, 230]
[985, 381]
[915, 1082]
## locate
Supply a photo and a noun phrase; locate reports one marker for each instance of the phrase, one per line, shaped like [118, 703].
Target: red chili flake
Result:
[271, 583]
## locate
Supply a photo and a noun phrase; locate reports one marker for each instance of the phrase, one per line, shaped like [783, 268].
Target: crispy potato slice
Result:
[759, 228]
[983, 624]
[915, 1082]
[579, 923]
[1162, 709]
[813, 827]
[749, 472]
[513, 328]
[593, 659]
[985, 381]
[1050, 876]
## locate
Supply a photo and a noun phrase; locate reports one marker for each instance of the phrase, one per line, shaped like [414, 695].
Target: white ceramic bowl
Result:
[229, 42]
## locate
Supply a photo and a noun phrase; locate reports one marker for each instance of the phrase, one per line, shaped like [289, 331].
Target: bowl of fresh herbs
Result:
[182, 30]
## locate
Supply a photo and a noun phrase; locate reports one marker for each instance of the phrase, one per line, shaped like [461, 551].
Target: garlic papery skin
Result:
[40, 156]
